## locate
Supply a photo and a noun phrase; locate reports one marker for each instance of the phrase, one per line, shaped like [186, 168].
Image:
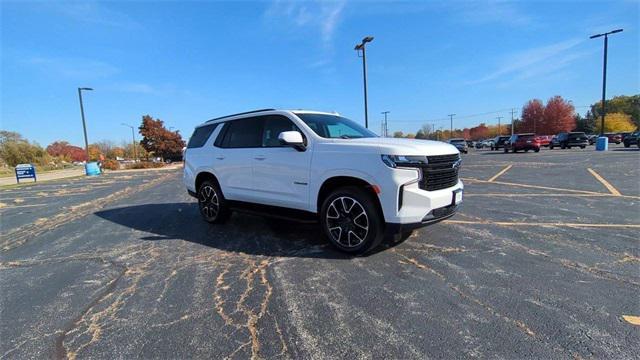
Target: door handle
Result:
[220, 157]
[260, 157]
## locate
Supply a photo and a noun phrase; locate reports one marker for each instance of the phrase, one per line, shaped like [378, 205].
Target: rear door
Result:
[238, 140]
[281, 173]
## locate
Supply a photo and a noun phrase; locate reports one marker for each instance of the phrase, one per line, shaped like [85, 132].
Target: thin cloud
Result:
[92, 12]
[133, 87]
[488, 12]
[77, 68]
[527, 63]
[321, 16]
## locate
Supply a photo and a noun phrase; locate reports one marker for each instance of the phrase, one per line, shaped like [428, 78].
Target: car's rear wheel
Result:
[351, 220]
[626, 144]
[582, 147]
[536, 150]
[550, 147]
[212, 204]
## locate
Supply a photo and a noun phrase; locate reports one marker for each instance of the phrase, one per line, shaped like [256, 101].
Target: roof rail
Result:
[242, 113]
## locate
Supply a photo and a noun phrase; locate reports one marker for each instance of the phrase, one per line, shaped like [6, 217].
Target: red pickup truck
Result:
[524, 142]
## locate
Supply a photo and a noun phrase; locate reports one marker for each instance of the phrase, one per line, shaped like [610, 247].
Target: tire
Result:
[342, 212]
[626, 144]
[526, 150]
[550, 147]
[506, 150]
[568, 147]
[563, 147]
[212, 204]
[536, 150]
[582, 147]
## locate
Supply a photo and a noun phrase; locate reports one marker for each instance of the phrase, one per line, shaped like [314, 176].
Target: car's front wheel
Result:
[351, 220]
[212, 203]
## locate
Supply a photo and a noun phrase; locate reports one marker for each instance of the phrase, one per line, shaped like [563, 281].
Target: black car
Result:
[568, 139]
[631, 139]
[498, 142]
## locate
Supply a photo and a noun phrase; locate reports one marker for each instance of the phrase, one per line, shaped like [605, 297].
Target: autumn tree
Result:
[532, 117]
[479, 132]
[14, 150]
[159, 141]
[558, 116]
[66, 151]
[629, 105]
[616, 122]
[398, 134]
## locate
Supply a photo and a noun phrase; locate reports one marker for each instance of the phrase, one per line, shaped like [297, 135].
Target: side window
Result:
[200, 136]
[273, 126]
[243, 133]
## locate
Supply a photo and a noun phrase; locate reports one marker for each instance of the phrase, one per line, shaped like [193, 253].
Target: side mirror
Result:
[293, 139]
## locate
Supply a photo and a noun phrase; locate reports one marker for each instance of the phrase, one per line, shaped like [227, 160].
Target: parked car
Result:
[565, 140]
[623, 135]
[592, 139]
[321, 167]
[479, 144]
[544, 140]
[487, 143]
[631, 139]
[524, 142]
[460, 144]
[498, 142]
[614, 138]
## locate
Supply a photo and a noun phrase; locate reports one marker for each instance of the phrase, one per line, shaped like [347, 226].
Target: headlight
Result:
[395, 161]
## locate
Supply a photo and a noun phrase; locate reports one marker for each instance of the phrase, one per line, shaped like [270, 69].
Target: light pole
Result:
[358, 48]
[499, 127]
[385, 128]
[604, 73]
[133, 139]
[84, 124]
[451, 129]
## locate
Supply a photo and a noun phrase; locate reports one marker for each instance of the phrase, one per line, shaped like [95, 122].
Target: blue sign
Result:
[25, 171]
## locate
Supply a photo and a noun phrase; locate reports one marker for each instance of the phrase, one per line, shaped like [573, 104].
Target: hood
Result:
[397, 146]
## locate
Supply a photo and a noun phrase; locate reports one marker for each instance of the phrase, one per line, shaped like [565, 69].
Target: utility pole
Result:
[133, 139]
[451, 129]
[512, 112]
[499, 127]
[604, 73]
[358, 48]
[385, 127]
[84, 124]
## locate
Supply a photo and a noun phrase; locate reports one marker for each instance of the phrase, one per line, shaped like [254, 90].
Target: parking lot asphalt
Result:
[542, 261]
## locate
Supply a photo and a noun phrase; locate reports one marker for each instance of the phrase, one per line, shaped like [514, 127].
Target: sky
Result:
[186, 62]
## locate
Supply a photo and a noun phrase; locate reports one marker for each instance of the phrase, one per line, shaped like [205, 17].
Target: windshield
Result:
[334, 126]
[458, 141]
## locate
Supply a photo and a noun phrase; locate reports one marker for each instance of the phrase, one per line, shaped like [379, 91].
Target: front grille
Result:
[440, 172]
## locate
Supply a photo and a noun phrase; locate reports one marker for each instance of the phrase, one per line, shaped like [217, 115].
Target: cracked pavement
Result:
[542, 262]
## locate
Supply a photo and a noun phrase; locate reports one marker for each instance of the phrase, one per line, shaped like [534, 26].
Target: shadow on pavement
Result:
[243, 233]
[634, 148]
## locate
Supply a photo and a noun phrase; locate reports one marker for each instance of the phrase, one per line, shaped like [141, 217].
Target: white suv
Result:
[321, 166]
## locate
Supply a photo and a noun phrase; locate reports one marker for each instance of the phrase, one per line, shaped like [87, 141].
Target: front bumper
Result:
[432, 217]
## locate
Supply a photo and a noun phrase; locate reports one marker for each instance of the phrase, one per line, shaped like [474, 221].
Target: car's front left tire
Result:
[351, 220]
[211, 203]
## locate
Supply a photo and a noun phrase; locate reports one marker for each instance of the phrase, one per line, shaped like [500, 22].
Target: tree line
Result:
[557, 115]
[157, 141]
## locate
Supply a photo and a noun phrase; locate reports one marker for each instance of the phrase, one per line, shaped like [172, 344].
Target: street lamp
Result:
[133, 139]
[358, 48]
[604, 73]
[84, 125]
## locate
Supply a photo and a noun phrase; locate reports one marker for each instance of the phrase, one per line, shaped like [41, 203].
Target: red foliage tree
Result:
[158, 140]
[532, 118]
[479, 132]
[65, 150]
[558, 116]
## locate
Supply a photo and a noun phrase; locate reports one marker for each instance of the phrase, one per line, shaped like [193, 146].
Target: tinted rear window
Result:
[200, 136]
[244, 133]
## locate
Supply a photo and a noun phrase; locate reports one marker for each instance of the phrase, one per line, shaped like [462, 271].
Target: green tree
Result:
[14, 150]
[398, 134]
[629, 105]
